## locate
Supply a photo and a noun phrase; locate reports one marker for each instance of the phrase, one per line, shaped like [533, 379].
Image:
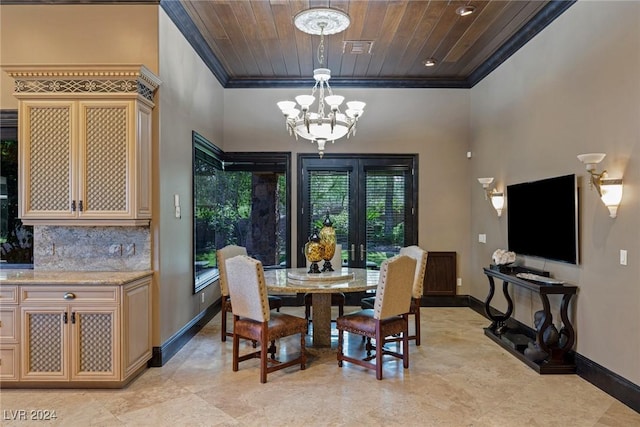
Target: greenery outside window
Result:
[16, 239]
[240, 199]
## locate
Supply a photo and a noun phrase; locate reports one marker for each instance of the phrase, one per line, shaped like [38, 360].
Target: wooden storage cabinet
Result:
[9, 334]
[440, 276]
[70, 343]
[85, 160]
[85, 144]
[62, 335]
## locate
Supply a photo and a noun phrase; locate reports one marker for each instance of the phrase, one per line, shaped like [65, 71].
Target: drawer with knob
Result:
[75, 294]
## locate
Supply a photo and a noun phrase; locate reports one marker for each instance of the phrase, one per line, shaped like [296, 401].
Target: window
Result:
[240, 199]
[16, 239]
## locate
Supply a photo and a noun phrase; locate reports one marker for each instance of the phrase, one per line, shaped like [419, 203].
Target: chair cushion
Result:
[362, 322]
[280, 325]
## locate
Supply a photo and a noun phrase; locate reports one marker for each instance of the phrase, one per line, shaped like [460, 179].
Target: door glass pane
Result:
[329, 194]
[385, 215]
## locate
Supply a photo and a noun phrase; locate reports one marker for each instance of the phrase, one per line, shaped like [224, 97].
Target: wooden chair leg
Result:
[307, 308]
[378, 351]
[272, 349]
[263, 353]
[417, 321]
[236, 345]
[405, 344]
[223, 326]
[368, 346]
[303, 354]
[340, 343]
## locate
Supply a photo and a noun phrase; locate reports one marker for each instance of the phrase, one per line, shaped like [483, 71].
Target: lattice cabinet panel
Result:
[48, 158]
[106, 159]
[44, 342]
[94, 344]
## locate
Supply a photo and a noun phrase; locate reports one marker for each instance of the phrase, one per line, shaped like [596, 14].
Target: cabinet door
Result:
[440, 277]
[44, 344]
[106, 156]
[9, 355]
[136, 330]
[47, 158]
[93, 344]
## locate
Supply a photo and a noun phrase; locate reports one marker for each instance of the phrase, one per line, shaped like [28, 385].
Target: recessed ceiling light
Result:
[465, 10]
[429, 62]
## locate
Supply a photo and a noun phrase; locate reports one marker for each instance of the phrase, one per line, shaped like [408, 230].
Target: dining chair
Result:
[420, 255]
[389, 317]
[253, 320]
[222, 255]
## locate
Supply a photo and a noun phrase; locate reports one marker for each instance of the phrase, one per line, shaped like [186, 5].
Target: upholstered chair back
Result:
[247, 289]
[393, 295]
[223, 255]
[420, 255]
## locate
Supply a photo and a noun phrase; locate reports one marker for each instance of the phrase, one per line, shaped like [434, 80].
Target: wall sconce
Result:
[496, 197]
[609, 190]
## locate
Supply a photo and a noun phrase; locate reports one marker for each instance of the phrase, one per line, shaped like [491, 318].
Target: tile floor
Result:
[458, 377]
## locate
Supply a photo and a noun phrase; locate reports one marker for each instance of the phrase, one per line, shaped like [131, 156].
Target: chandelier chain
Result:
[321, 45]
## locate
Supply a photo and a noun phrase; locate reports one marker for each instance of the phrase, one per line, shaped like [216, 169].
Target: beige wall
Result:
[190, 99]
[573, 89]
[64, 34]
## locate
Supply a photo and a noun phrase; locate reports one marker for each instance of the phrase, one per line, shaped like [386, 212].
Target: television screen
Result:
[542, 218]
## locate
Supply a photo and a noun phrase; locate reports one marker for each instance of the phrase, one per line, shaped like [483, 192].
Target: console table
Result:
[511, 337]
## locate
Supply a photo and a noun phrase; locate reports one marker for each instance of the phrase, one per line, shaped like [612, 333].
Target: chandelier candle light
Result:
[320, 127]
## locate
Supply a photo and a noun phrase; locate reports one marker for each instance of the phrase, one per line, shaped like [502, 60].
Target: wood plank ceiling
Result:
[254, 43]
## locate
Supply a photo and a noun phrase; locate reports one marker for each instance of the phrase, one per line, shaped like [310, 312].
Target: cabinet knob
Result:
[69, 295]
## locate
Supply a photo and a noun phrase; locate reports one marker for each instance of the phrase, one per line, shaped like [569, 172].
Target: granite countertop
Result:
[296, 280]
[48, 277]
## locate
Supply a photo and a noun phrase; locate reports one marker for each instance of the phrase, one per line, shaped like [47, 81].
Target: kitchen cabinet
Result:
[9, 333]
[76, 334]
[69, 333]
[85, 145]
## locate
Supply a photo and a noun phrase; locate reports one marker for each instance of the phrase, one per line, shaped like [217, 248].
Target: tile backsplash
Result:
[91, 248]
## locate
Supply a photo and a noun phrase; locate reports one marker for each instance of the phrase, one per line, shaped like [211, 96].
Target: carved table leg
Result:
[498, 321]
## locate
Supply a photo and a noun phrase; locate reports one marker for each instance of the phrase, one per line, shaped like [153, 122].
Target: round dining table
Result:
[320, 286]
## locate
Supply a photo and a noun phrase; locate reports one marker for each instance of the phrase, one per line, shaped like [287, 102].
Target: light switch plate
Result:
[482, 238]
[623, 257]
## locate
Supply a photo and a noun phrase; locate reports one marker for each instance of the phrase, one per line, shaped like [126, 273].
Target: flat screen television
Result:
[542, 218]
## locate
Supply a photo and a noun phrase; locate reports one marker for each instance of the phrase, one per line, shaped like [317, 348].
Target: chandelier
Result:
[319, 126]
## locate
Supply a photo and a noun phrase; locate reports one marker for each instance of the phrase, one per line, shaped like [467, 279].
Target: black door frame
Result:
[358, 164]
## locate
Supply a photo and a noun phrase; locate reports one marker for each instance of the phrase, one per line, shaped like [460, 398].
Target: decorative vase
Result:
[328, 242]
[314, 251]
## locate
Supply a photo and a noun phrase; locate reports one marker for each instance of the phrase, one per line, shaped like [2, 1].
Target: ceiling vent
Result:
[357, 47]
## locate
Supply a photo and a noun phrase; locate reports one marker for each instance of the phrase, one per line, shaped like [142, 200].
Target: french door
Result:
[370, 199]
